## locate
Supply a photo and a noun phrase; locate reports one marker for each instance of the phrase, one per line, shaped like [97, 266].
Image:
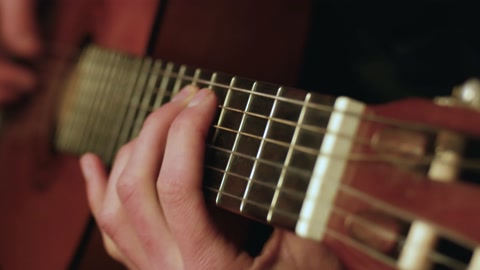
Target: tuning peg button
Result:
[468, 93]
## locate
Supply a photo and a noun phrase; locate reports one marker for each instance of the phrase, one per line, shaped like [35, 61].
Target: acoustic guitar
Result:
[388, 186]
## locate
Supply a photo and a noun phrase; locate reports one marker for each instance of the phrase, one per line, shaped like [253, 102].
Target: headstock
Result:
[409, 196]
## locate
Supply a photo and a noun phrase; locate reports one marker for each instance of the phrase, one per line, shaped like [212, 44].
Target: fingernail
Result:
[185, 94]
[200, 97]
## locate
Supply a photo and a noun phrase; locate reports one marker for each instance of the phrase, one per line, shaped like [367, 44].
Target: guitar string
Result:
[465, 163]
[359, 194]
[404, 162]
[435, 256]
[367, 117]
[472, 164]
[230, 87]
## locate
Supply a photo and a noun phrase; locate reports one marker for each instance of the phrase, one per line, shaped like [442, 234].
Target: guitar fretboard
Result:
[264, 143]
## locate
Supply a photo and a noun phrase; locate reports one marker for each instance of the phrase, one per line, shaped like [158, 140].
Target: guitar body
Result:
[42, 200]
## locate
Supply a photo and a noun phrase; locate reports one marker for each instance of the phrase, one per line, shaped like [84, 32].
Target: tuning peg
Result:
[464, 95]
[468, 93]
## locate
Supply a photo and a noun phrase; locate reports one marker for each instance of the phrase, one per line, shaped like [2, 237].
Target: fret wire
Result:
[276, 119]
[288, 157]
[433, 256]
[236, 141]
[162, 91]
[179, 78]
[98, 137]
[320, 107]
[273, 119]
[349, 191]
[260, 149]
[248, 91]
[299, 148]
[351, 156]
[466, 163]
[88, 67]
[302, 172]
[95, 91]
[149, 89]
[368, 117]
[298, 194]
[292, 216]
[325, 108]
[132, 70]
[104, 138]
[127, 67]
[196, 75]
[305, 174]
[67, 115]
[245, 90]
[141, 90]
[219, 121]
[140, 77]
[471, 164]
[72, 55]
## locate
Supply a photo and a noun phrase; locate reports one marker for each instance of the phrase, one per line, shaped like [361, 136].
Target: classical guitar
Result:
[330, 169]
[389, 186]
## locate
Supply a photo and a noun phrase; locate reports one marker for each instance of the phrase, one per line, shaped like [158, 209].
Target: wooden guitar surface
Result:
[42, 201]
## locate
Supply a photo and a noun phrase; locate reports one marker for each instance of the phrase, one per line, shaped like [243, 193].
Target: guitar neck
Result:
[267, 144]
[279, 155]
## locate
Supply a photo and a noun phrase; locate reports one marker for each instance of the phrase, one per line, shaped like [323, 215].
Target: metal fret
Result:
[146, 99]
[257, 192]
[179, 81]
[162, 89]
[130, 69]
[125, 134]
[262, 131]
[70, 99]
[103, 139]
[287, 161]
[240, 101]
[96, 140]
[91, 102]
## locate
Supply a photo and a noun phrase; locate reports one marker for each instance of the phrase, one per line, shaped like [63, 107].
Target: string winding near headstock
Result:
[409, 196]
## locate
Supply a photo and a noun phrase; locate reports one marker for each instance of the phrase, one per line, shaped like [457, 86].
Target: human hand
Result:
[152, 211]
[20, 40]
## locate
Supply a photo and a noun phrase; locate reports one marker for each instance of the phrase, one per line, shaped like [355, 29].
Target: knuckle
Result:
[169, 189]
[127, 187]
[106, 222]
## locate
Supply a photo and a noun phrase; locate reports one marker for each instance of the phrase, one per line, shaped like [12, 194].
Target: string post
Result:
[422, 238]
